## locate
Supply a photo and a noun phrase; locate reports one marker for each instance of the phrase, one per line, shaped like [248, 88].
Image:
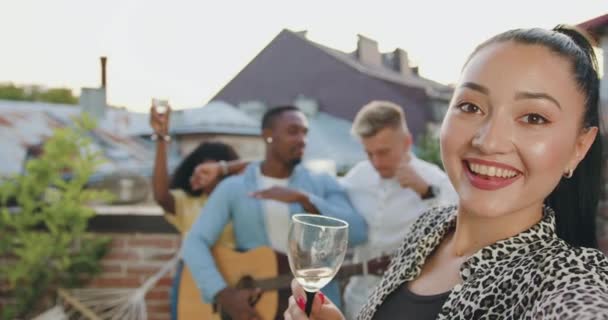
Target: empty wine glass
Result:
[316, 248]
[161, 106]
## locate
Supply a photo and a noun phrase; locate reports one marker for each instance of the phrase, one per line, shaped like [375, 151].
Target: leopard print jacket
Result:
[534, 275]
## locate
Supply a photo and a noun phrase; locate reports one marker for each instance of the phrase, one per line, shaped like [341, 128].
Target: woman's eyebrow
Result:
[537, 95]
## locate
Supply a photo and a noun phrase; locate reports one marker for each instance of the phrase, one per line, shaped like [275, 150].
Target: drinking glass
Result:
[161, 106]
[316, 248]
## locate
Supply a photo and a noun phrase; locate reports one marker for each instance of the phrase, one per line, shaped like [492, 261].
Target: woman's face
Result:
[513, 128]
[202, 177]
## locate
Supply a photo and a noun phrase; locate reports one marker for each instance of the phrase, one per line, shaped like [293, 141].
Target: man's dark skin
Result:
[285, 140]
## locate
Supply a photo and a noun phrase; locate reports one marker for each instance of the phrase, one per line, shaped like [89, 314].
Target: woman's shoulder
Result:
[559, 255]
[576, 279]
[576, 283]
[431, 224]
[181, 196]
[436, 217]
[592, 258]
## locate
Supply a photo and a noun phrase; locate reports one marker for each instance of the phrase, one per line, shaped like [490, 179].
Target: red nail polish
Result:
[322, 297]
[301, 303]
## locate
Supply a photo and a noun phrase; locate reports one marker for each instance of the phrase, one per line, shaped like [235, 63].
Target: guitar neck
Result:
[280, 282]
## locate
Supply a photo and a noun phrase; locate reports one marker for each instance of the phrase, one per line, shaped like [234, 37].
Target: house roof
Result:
[384, 72]
[329, 138]
[597, 26]
[26, 125]
[215, 117]
[290, 66]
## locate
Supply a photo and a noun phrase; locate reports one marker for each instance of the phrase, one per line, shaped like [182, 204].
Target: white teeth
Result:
[483, 170]
[491, 171]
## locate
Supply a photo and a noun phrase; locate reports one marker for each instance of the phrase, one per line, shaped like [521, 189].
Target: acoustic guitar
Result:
[260, 268]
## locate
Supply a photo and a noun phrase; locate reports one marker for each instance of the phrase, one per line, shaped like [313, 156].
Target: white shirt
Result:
[276, 214]
[389, 211]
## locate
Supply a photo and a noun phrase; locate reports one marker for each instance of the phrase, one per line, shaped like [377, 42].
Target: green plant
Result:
[428, 149]
[44, 232]
[9, 91]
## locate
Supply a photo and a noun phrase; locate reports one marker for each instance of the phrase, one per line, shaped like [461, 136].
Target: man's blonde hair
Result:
[376, 116]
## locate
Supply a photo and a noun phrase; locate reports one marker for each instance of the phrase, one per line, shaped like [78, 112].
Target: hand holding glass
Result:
[161, 106]
[316, 248]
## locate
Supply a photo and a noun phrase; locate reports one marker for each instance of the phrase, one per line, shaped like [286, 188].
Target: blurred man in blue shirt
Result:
[260, 203]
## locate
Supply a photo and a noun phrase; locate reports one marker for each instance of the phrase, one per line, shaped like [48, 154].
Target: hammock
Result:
[106, 303]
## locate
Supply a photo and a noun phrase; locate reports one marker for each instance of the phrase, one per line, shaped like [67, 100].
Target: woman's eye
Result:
[469, 108]
[534, 118]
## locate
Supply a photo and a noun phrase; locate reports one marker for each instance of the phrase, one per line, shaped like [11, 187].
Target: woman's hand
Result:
[322, 307]
[160, 121]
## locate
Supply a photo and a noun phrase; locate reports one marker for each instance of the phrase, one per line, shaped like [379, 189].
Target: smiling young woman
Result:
[521, 147]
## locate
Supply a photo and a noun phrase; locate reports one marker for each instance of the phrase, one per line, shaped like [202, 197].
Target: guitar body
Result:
[235, 267]
[258, 263]
[257, 268]
[190, 304]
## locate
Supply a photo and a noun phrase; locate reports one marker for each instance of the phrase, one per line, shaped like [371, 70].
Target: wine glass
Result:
[160, 105]
[316, 248]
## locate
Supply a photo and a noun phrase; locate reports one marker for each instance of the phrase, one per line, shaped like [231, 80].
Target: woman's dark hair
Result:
[206, 151]
[574, 200]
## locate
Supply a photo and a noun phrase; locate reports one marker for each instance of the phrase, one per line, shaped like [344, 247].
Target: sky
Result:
[186, 51]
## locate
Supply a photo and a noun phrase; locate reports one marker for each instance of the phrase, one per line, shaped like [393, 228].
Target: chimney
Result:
[402, 62]
[93, 100]
[367, 51]
[103, 71]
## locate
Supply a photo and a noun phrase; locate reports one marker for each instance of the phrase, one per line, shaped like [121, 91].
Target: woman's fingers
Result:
[296, 290]
[294, 311]
[297, 303]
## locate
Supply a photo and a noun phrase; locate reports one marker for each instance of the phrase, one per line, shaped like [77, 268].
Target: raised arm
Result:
[160, 180]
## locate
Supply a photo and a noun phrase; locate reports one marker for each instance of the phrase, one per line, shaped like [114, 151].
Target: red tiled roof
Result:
[596, 26]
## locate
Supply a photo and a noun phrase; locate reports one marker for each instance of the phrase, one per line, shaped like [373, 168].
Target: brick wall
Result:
[132, 259]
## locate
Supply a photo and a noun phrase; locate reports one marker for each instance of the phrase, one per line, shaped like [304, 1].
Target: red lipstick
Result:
[486, 182]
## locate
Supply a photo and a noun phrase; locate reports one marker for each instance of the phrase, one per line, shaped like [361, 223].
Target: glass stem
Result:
[310, 298]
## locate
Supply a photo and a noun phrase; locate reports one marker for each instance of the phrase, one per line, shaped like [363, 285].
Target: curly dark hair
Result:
[206, 151]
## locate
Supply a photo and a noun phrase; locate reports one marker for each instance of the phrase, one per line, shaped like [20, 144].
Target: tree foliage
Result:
[34, 93]
[44, 236]
[428, 149]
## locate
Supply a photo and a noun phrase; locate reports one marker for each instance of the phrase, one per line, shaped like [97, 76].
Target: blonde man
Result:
[390, 189]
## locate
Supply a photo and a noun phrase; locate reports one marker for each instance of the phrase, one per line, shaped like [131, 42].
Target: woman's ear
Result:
[583, 143]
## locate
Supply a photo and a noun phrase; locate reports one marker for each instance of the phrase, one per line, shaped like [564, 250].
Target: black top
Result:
[403, 304]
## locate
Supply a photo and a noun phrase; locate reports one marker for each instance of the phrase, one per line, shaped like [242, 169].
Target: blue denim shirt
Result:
[230, 202]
